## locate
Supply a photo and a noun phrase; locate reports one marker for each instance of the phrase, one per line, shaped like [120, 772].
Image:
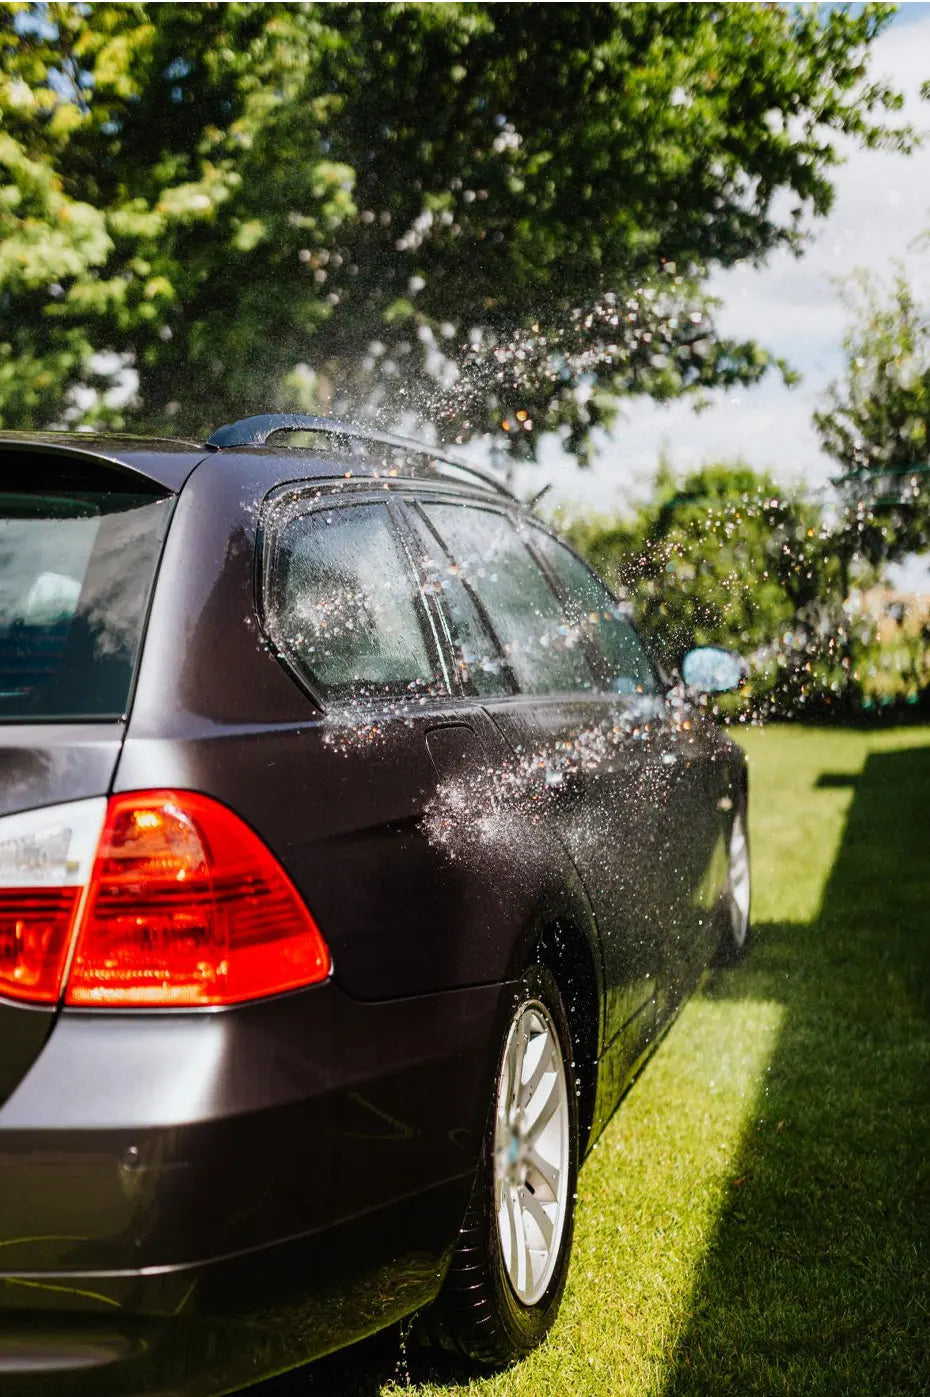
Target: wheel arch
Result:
[557, 929]
[564, 949]
[561, 933]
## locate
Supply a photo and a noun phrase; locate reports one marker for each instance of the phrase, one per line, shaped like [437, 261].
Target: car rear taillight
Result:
[46, 857]
[183, 905]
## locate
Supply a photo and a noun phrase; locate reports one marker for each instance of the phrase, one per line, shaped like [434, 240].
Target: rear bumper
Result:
[191, 1201]
[214, 1327]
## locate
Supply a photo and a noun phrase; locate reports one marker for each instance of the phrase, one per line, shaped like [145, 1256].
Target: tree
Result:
[726, 557]
[876, 423]
[481, 214]
[167, 129]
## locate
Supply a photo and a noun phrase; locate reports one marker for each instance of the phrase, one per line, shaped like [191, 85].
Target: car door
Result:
[558, 722]
[664, 765]
[345, 610]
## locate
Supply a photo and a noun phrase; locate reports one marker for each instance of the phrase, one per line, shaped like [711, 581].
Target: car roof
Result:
[166, 462]
[342, 449]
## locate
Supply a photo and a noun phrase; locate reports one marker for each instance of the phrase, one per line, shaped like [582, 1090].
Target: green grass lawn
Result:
[756, 1217]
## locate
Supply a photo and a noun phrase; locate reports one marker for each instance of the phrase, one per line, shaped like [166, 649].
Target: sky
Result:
[792, 306]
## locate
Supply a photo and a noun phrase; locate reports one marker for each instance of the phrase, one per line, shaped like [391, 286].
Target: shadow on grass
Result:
[818, 1278]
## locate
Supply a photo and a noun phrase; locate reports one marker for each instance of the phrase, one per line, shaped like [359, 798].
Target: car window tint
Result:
[542, 650]
[481, 665]
[343, 604]
[76, 572]
[589, 605]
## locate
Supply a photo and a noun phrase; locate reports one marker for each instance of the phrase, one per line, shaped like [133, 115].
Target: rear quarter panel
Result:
[410, 891]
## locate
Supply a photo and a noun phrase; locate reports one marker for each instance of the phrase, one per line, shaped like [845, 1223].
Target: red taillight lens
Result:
[46, 856]
[35, 932]
[187, 906]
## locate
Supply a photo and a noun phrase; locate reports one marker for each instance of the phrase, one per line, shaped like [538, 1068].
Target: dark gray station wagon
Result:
[353, 854]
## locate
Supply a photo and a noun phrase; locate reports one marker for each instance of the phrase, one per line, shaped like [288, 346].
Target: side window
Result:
[589, 605]
[542, 651]
[481, 665]
[342, 603]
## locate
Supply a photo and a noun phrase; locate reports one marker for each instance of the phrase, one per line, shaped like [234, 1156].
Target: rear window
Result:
[76, 571]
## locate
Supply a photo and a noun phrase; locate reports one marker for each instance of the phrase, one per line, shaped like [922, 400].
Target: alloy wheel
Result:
[531, 1155]
[739, 882]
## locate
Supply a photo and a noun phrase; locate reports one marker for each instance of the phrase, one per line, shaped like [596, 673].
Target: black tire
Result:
[735, 925]
[479, 1313]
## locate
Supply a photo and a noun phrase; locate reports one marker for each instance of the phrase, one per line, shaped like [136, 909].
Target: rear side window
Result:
[543, 651]
[343, 606]
[76, 572]
[480, 663]
[589, 605]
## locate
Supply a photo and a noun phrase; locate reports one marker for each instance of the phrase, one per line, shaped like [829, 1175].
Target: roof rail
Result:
[255, 431]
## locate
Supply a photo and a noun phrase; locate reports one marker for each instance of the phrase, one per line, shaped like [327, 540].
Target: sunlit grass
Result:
[755, 1217]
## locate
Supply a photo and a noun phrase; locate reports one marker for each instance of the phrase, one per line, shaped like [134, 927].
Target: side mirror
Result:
[712, 670]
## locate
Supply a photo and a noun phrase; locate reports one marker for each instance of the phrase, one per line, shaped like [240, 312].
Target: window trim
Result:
[302, 499]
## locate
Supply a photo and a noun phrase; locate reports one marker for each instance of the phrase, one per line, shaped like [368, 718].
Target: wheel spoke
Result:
[550, 1104]
[506, 1233]
[549, 1173]
[513, 1067]
[543, 1065]
[500, 1190]
[518, 1232]
[537, 1212]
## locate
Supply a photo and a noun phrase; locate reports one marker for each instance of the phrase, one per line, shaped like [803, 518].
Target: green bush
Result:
[727, 557]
